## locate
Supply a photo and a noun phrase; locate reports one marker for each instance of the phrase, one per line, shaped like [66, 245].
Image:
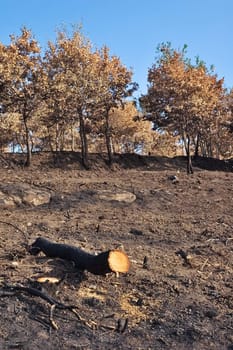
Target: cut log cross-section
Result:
[109, 261]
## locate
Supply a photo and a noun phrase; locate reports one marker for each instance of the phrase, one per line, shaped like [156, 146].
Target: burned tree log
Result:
[109, 261]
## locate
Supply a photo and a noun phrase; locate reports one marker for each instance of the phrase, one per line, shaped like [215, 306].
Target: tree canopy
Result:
[77, 96]
[184, 99]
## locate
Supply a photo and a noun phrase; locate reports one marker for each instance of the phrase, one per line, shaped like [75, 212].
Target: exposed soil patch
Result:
[178, 234]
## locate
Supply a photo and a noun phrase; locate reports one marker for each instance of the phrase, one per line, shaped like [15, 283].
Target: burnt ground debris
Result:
[168, 299]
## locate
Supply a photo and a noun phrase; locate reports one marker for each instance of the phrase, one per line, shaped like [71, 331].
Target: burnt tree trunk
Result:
[196, 153]
[28, 146]
[83, 137]
[108, 138]
[109, 261]
[189, 159]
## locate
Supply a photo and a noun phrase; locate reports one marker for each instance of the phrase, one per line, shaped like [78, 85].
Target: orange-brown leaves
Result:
[182, 98]
[127, 132]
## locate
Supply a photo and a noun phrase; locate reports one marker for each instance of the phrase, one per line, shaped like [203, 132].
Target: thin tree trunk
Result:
[57, 147]
[50, 141]
[185, 146]
[209, 149]
[108, 138]
[189, 159]
[62, 140]
[203, 149]
[28, 146]
[83, 137]
[196, 153]
[72, 138]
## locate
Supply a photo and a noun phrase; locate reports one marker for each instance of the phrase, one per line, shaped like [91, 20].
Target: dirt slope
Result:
[178, 235]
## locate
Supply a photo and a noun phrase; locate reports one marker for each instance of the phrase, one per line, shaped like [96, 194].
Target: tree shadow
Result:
[68, 160]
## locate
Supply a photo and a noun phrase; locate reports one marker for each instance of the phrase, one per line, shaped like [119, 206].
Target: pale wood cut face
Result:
[118, 261]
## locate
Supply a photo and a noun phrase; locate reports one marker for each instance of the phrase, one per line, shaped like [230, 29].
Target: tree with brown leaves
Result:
[83, 85]
[69, 68]
[19, 81]
[129, 133]
[182, 98]
[115, 82]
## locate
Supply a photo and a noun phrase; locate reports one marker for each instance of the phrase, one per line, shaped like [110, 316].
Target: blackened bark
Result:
[97, 264]
[83, 137]
[28, 147]
[196, 153]
[189, 159]
[108, 137]
[109, 148]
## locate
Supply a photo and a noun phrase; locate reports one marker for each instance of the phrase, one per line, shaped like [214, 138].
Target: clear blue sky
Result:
[132, 29]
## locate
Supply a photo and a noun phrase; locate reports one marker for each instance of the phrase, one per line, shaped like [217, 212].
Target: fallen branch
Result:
[109, 261]
[8, 289]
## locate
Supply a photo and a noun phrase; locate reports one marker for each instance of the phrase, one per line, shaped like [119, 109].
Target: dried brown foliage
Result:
[76, 96]
[184, 99]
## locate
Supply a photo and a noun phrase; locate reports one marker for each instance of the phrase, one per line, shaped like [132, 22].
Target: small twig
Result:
[76, 313]
[110, 328]
[17, 228]
[228, 239]
[40, 320]
[90, 324]
[204, 264]
[184, 256]
[121, 325]
[5, 293]
[213, 240]
[108, 316]
[53, 324]
[145, 263]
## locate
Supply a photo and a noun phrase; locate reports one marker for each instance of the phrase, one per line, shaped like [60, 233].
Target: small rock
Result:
[211, 313]
[173, 178]
[12, 195]
[145, 263]
[34, 197]
[6, 202]
[123, 196]
[136, 232]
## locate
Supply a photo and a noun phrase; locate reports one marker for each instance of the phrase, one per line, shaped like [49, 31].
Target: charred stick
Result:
[53, 323]
[109, 261]
[38, 293]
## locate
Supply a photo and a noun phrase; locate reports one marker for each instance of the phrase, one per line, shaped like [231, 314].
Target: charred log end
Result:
[110, 261]
[34, 250]
[118, 261]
